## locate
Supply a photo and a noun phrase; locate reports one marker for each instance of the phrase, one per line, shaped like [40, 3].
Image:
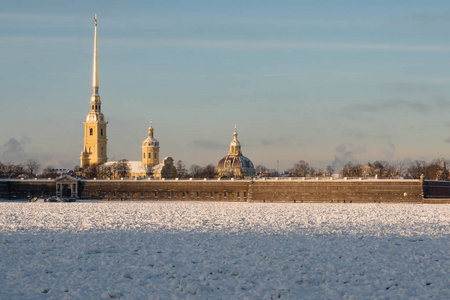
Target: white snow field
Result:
[195, 250]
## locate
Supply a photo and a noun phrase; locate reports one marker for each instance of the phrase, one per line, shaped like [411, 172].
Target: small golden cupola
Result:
[235, 146]
[235, 164]
[150, 149]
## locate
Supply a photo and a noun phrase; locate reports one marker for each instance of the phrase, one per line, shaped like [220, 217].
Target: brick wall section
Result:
[338, 191]
[210, 190]
[258, 191]
[22, 189]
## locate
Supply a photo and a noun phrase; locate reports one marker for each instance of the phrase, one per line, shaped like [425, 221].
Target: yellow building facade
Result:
[95, 140]
[150, 149]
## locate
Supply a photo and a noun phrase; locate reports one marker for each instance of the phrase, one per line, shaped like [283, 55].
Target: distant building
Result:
[149, 166]
[150, 149]
[94, 150]
[235, 164]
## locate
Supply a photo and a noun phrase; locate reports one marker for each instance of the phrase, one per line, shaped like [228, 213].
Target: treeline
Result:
[195, 171]
[434, 170]
[30, 169]
[119, 169]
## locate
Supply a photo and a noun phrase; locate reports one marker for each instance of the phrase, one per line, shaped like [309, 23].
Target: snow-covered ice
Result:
[198, 250]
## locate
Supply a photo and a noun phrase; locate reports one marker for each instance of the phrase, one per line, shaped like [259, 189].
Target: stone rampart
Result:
[339, 191]
[23, 189]
[282, 190]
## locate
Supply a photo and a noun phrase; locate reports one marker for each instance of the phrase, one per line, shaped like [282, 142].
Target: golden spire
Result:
[235, 146]
[150, 130]
[95, 67]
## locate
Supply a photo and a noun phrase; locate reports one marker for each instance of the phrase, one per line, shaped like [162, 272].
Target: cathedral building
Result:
[235, 164]
[94, 151]
[149, 166]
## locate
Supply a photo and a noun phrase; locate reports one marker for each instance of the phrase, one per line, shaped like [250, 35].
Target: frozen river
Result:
[198, 250]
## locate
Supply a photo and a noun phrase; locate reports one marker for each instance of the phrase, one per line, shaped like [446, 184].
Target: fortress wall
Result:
[340, 191]
[336, 191]
[22, 189]
[210, 190]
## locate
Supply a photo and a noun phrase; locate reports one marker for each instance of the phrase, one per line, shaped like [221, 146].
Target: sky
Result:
[326, 82]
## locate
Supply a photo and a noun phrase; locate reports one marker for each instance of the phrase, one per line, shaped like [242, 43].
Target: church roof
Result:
[235, 160]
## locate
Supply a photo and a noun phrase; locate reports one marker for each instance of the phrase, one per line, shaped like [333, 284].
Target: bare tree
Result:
[416, 169]
[181, 169]
[91, 172]
[105, 171]
[329, 170]
[47, 172]
[2, 170]
[302, 169]
[195, 171]
[121, 168]
[208, 172]
[351, 170]
[32, 167]
[399, 168]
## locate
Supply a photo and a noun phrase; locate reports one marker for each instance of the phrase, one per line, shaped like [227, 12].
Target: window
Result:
[224, 194]
[212, 194]
[115, 194]
[128, 194]
[238, 194]
[198, 194]
[91, 131]
[245, 194]
[149, 155]
[184, 194]
[142, 194]
[156, 193]
[170, 194]
[144, 154]
[101, 151]
[101, 131]
[92, 106]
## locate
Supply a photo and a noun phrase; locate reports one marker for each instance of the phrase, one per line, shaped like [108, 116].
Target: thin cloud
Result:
[397, 104]
[209, 145]
[231, 45]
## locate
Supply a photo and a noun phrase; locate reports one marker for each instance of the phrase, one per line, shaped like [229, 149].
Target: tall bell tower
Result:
[150, 149]
[95, 140]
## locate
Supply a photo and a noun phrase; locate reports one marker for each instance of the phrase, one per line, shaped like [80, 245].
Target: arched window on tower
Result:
[92, 106]
[91, 131]
[144, 155]
[149, 155]
[101, 131]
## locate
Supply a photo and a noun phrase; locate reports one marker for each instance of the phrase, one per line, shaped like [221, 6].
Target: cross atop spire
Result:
[150, 130]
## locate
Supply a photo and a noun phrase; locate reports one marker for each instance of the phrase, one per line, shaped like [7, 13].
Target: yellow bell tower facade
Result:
[95, 140]
[150, 149]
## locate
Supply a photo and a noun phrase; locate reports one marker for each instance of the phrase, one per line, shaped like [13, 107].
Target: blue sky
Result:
[320, 81]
